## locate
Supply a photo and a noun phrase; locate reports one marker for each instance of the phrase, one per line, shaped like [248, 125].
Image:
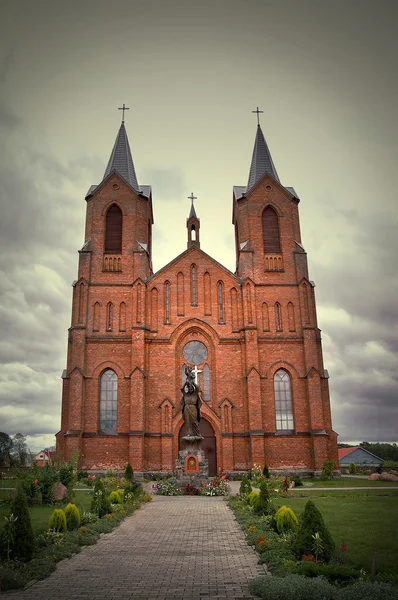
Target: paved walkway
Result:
[184, 547]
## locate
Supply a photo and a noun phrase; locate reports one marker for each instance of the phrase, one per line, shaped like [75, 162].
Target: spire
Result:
[193, 225]
[261, 161]
[121, 160]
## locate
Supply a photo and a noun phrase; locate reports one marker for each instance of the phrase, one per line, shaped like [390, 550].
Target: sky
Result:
[326, 76]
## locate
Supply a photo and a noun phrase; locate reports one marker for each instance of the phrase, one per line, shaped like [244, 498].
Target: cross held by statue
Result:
[196, 371]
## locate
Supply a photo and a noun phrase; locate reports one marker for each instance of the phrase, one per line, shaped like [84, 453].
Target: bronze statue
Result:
[190, 406]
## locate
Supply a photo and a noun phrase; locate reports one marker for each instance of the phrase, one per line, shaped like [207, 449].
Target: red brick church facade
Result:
[251, 336]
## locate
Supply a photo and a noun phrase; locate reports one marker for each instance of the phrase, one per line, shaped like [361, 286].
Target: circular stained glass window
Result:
[195, 352]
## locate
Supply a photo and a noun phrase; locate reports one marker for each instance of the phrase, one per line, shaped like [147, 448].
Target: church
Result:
[251, 337]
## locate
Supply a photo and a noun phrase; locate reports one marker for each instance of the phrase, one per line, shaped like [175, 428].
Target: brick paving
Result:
[172, 548]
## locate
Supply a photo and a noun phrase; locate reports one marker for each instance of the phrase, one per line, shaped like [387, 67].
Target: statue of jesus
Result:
[190, 406]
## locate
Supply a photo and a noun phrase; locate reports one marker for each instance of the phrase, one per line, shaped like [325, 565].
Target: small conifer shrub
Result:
[263, 505]
[129, 473]
[285, 519]
[116, 497]
[245, 487]
[22, 542]
[352, 468]
[72, 515]
[57, 521]
[100, 504]
[310, 523]
[253, 498]
[266, 471]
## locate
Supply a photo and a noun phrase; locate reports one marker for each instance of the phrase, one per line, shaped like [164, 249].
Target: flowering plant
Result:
[217, 487]
[191, 489]
[343, 547]
[167, 487]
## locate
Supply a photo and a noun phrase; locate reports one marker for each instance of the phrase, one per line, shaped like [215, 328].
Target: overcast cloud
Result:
[325, 75]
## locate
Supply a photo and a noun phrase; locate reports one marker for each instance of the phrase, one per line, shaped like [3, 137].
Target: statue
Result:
[190, 406]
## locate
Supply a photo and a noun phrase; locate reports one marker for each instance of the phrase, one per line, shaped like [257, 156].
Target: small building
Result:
[359, 456]
[43, 458]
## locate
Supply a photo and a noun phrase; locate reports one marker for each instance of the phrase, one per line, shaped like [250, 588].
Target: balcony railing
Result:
[273, 262]
[112, 262]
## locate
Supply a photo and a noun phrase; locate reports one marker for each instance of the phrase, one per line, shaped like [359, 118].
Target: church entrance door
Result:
[208, 444]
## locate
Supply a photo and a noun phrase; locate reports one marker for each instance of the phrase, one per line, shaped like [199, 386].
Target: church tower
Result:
[250, 337]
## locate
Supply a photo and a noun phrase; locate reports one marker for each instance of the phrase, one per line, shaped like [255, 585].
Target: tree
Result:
[5, 449]
[19, 450]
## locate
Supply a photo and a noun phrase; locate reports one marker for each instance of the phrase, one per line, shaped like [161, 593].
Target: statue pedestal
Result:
[191, 462]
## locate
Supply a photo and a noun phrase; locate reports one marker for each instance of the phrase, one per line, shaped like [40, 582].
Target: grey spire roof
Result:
[121, 160]
[261, 161]
[193, 212]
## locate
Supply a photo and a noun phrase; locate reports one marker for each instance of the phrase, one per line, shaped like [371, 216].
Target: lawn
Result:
[367, 521]
[41, 514]
[345, 482]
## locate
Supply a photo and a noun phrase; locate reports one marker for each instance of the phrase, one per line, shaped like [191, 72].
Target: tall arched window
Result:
[167, 302]
[194, 293]
[96, 316]
[271, 231]
[206, 383]
[265, 315]
[220, 294]
[278, 316]
[108, 400]
[290, 314]
[283, 401]
[113, 230]
[207, 292]
[109, 316]
[180, 294]
[122, 316]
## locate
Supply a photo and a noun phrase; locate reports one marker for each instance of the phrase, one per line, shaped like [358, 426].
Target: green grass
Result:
[366, 521]
[345, 482]
[41, 514]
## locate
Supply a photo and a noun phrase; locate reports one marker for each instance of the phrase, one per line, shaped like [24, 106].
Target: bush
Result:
[22, 542]
[368, 591]
[336, 574]
[297, 480]
[116, 497]
[57, 521]
[327, 469]
[72, 515]
[310, 523]
[285, 519]
[129, 473]
[253, 498]
[100, 504]
[292, 586]
[262, 506]
[352, 468]
[245, 487]
[266, 471]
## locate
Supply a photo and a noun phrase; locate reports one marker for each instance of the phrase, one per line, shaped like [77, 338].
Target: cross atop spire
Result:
[192, 213]
[123, 108]
[258, 115]
[121, 159]
[261, 160]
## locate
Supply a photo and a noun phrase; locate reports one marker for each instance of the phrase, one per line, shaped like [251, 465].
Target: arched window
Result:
[109, 316]
[154, 309]
[122, 316]
[290, 314]
[278, 317]
[180, 294]
[113, 230]
[220, 293]
[206, 383]
[265, 315]
[271, 231]
[108, 401]
[207, 292]
[283, 401]
[96, 316]
[194, 295]
[167, 302]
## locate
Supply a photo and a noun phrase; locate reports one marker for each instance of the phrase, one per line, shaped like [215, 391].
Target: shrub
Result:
[245, 487]
[266, 471]
[262, 505]
[116, 497]
[129, 473]
[253, 498]
[100, 504]
[352, 468]
[365, 591]
[310, 523]
[336, 574]
[327, 469]
[22, 542]
[72, 515]
[292, 586]
[285, 519]
[57, 521]
[297, 480]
